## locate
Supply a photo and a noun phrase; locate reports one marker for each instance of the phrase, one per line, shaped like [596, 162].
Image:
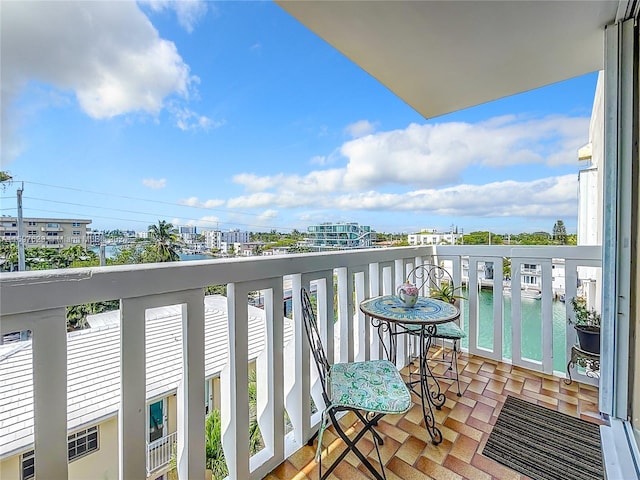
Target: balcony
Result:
[35, 301]
[160, 453]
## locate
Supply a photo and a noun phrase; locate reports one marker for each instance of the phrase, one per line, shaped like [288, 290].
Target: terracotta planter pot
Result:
[589, 338]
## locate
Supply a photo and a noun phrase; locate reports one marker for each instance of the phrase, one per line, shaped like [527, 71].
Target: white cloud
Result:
[269, 214]
[112, 58]
[195, 202]
[434, 155]
[209, 221]
[547, 197]
[360, 128]
[189, 12]
[155, 184]
[187, 119]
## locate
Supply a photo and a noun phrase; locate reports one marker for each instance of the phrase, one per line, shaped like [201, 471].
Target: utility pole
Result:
[21, 259]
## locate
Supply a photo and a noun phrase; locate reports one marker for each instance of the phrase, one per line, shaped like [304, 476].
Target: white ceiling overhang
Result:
[443, 56]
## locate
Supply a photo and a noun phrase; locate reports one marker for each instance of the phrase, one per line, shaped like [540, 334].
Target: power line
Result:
[135, 220]
[127, 197]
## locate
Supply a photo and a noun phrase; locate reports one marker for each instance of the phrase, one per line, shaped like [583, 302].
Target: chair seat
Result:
[373, 386]
[450, 330]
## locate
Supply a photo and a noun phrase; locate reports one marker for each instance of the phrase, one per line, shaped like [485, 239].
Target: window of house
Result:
[53, 225]
[75, 224]
[32, 232]
[81, 443]
[28, 465]
[52, 234]
[32, 224]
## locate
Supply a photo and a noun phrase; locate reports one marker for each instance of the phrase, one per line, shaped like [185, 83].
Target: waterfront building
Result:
[235, 236]
[339, 236]
[213, 239]
[56, 233]
[433, 237]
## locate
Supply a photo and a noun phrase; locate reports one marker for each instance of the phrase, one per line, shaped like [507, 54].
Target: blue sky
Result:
[234, 115]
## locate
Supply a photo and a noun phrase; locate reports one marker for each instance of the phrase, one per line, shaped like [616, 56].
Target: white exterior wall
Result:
[432, 238]
[213, 239]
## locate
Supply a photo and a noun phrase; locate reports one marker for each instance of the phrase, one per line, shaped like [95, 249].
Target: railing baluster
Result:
[235, 407]
[132, 418]
[191, 402]
[49, 330]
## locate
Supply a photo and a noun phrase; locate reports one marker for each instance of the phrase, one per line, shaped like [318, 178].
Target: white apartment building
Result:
[235, 236]
[433, 237]
[46, 232]
[213, 239]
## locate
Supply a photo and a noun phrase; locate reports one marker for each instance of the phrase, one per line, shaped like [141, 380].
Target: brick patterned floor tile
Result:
[465, 423]
[532, 385]
[493, 468]
[467, 471]
[482, 412]
[460, 412]
[435, 470]
[411, 449]
[464, 448]
[514, 386]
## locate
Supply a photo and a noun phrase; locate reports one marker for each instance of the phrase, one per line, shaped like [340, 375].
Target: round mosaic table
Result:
[388, 314]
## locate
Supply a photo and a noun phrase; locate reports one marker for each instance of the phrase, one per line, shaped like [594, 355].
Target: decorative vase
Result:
[589, 339]
[408, 294]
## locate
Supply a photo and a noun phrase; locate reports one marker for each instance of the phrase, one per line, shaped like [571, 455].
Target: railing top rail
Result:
[22, 292]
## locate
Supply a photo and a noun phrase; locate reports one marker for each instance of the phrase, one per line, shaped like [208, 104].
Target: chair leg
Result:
[455, 360]
[351, 447]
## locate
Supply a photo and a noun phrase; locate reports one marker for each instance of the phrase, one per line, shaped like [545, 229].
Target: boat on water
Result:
[524, 293]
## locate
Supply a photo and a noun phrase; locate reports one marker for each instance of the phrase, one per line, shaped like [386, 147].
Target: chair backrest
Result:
[315, 341]
[431, 277]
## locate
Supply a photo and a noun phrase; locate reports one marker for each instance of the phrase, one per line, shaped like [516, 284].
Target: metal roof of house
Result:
[93, 389]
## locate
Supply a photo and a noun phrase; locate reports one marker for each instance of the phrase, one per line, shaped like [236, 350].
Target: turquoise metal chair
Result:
[370, 389]
[439, 283]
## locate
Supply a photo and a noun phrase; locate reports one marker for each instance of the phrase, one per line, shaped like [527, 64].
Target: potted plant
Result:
[587, 325]
[446, 292]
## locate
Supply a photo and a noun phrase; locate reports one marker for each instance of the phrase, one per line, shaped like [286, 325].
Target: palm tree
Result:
[77, 255]
[8, 256]
[5, 179]
[164, 239]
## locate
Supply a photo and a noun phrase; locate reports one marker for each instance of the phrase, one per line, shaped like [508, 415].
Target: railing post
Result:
[49, 329]
[235, 411]
[132, 417]
[269, 373]
[191, 396]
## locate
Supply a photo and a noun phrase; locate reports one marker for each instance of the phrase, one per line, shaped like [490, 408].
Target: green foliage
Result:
[482, 238]
[164, 242]
[5, 179]
[585, 317]
[446, 292]
[537, 238]
[560, 233]
[77, 314]
[215, 459]
[215, 290]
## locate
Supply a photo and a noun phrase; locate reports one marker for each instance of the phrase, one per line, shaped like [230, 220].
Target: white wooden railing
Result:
[36, 301]
[160, 452]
